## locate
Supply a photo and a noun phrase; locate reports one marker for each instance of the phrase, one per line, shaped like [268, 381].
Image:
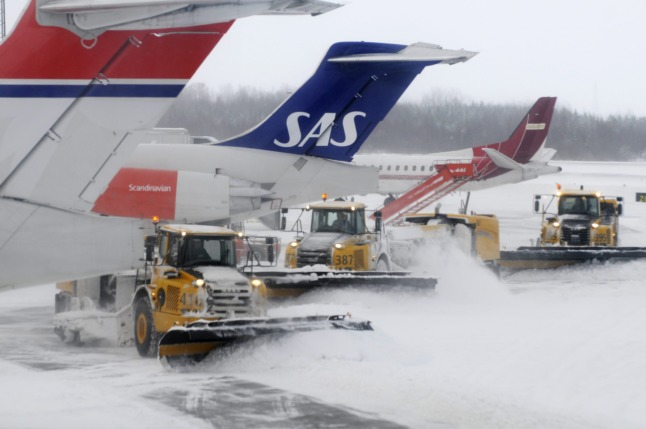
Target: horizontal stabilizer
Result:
[503, 161]
[544, 155]
[311, 7]
[96, 16]
[416, 52]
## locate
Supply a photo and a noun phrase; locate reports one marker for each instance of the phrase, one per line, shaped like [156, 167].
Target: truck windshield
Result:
[207, 250]
[579, 204]
[347, 221]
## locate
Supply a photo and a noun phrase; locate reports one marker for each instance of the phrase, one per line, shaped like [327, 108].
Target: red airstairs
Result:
[447, 178]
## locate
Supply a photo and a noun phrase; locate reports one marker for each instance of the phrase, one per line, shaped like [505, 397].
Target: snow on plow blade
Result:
[183, 345]
[527, 258]
[281, 284]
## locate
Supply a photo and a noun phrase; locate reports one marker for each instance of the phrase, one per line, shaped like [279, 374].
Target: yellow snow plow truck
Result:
[339, 239]
[339, 251]
[582, 218]
[190, 298]
[476, 234]
[576, 226]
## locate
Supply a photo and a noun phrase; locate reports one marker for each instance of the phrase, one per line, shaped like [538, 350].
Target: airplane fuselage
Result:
[399, 172]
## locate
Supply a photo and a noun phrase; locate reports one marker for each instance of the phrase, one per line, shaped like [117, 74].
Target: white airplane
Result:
[522, 157]
[76, 77]
[69, 105]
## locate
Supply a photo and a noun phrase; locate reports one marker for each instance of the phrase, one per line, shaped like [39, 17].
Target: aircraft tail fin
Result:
[529, 136]
[354, 88]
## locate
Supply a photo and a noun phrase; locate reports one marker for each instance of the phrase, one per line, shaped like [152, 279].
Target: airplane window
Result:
[397, 168]
[381, 167]
[414, 168]
[405, 167]
[422, 169]
[388, 168]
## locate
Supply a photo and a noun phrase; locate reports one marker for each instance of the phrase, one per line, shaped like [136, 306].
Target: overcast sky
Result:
[590, 54]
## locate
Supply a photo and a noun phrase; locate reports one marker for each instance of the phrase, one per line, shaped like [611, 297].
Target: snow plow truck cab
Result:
[582, 218]
[339, 239]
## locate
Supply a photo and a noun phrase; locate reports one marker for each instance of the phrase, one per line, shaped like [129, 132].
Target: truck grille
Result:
[359, 257]
[575, 235]
[312, 257]
[229, 300]
[172, 298]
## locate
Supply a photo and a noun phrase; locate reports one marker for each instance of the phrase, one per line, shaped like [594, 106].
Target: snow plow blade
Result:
[527, 258]
[282, 284]
[189, 344]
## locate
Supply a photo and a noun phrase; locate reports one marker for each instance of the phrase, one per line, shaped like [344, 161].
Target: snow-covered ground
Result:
[539, 349]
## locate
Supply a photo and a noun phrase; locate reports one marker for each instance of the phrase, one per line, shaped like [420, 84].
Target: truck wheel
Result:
[146, 337]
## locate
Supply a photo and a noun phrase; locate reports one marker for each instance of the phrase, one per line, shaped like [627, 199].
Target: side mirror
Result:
[537, 203]
[271, 245]
[150, 247]
[377, 221]
[620, 209]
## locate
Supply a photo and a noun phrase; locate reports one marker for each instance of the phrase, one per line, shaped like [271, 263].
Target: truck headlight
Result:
[256, 282]
[556, 224]
[595, 225]
[339, 246]
[198, 282]
[294, 244]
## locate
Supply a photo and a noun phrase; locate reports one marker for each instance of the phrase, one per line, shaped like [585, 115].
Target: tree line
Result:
[439, 122]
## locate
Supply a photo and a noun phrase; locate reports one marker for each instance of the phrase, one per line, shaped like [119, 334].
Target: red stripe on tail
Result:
[140, 193]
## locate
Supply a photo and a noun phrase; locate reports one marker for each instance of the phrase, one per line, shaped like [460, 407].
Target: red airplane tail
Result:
[529, 135]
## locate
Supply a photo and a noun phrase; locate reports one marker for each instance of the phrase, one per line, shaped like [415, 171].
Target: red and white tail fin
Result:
[77, 76]
[69, 103]
[527, 139]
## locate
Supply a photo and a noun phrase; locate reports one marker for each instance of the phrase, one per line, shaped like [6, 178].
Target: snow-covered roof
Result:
[337, 205]
[197, 229]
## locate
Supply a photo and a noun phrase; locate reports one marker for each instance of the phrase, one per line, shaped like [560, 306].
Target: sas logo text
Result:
[321, 131]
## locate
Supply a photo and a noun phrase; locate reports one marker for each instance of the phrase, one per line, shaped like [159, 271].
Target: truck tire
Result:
[146, 337]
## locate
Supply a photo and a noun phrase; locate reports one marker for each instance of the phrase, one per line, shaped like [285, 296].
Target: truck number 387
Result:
[343, 260]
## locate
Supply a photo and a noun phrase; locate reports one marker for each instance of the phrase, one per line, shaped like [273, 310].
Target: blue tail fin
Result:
[354, 88]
